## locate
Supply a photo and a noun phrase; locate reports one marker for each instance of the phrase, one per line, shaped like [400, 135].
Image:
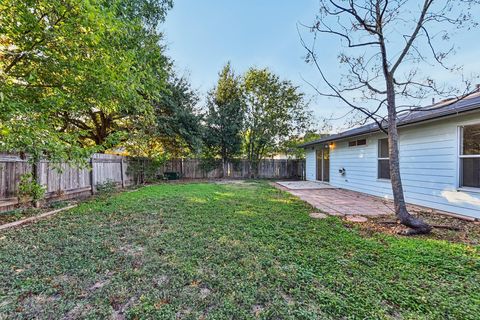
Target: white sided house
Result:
[439, 158]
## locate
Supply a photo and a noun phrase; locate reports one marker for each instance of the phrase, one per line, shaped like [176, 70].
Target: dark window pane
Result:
[383, 148]
[352, 143]
[471, 139]
[383, 169]
[361, 142]
[471, 172]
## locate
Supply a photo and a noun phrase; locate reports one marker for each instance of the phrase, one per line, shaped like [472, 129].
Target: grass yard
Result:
[220, 251]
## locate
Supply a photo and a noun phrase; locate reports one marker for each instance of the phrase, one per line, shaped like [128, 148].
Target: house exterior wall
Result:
[429, 166]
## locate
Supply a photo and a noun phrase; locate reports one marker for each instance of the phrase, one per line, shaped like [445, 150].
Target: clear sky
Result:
[202, 35]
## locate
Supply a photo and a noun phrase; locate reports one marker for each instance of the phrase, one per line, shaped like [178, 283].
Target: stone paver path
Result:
[318, 215]
[341, 202]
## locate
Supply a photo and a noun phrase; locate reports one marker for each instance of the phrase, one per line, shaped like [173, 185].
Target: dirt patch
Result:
[358, 219]
[80, 311]
[131, 250]
[228, 181]
[183, 313]
[288, 299]
[204, 292]
[444, 227]
[160, 281]
[99, 285]
[257, 310]
[120, 309]
[35, 305]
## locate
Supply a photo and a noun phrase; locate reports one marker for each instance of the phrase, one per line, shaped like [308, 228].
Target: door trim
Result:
[319, 155]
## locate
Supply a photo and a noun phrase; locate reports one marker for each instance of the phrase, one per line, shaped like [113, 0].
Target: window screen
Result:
[470, 156]
[383, 159]
[360, 142]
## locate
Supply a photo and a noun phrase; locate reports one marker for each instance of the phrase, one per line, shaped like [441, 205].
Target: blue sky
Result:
[203, 35]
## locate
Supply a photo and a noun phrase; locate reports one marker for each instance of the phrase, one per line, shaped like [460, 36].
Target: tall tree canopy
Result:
[291, 147]
[82, 76]
[225, 116]
[275, 111]
[177, 131]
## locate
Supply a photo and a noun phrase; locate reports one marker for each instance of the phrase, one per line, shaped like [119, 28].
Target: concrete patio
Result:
[341, 202]
[304, 185]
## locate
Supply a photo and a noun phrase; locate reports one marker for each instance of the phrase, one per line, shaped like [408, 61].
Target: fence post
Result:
[60, 179]
[121, 173]
[36, 177]
[181, 167]
[92, 176]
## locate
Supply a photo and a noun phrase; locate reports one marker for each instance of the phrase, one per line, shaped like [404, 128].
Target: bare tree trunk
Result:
[418, 226]
[36, 176]
[223, 167]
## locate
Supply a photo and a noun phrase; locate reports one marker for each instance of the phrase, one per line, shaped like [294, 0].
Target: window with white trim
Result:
[383, 159]
[470, 156]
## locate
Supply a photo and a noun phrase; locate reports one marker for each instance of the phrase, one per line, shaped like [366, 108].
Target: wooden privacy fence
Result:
[61, 179]
[267, 169]
[64, 180]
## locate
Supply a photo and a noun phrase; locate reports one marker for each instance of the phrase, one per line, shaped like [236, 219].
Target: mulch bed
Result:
[18, 214]
[27, 211]
[445, 227]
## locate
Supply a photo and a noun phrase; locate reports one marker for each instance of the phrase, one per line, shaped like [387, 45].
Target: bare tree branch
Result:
[413, 37]
[338, 94]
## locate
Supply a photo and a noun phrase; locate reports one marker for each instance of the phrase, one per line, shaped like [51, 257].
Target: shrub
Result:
[208, 164]
[145, 170]
[28, 189]
[106, 188]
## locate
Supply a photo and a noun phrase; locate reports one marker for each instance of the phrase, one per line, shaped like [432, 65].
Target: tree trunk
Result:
[223, 167]
[418, 226]
[36, 177]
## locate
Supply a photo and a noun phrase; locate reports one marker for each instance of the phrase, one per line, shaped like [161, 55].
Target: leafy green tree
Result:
[176, 131]
[41, 51]
[275, 112]
[225, 117]
[126, 108]
[78, 76]
[291, 147]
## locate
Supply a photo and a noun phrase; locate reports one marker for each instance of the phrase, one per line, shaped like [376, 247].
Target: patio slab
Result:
[304, 185]
[341, 202]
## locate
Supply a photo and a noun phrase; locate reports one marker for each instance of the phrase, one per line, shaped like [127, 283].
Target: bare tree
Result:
[390, 44]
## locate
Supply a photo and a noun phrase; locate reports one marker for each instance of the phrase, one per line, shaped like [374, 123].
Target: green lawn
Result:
[220, 251]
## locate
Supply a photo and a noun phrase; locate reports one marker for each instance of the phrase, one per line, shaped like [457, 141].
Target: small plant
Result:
[106, 188]
[145, 170]
[29, 189]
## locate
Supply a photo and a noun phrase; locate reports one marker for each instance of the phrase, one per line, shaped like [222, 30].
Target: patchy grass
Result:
[221, 251]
